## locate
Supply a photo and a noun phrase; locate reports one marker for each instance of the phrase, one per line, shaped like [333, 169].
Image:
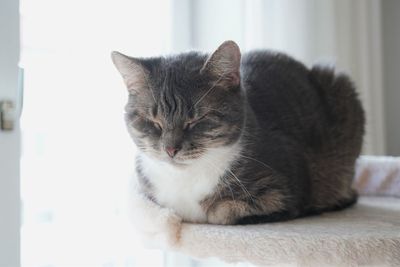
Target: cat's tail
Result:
[342, 106]
[284, 215]
[339, 205]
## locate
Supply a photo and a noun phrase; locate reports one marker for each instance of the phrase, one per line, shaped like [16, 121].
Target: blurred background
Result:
[65, 167]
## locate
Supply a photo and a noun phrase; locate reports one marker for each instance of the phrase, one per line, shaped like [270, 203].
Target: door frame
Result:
[10, 140]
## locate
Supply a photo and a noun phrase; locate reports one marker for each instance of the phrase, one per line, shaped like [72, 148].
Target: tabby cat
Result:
[231, 139]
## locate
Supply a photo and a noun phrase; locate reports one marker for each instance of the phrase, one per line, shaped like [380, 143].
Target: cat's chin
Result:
[176, 162]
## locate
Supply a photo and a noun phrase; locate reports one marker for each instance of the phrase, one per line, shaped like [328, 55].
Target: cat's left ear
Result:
[132, 71]
[224, 64]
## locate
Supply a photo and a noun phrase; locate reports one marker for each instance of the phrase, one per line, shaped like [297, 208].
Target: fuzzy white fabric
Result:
[378, 176]
[367, 234]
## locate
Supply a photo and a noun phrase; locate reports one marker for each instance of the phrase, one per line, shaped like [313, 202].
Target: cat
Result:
[231, 139]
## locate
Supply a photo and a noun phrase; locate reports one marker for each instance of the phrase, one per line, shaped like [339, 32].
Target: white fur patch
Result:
[182, 189]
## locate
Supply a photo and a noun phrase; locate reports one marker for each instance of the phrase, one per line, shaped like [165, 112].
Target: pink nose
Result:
[171, 151]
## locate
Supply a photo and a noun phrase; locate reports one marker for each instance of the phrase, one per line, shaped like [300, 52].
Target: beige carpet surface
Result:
[365, 235]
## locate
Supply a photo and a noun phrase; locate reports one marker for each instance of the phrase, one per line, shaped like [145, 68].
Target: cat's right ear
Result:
[132, 71]
[224, 64]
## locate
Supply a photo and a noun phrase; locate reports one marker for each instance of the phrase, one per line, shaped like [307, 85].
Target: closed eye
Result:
[157, 124]
[191, 123]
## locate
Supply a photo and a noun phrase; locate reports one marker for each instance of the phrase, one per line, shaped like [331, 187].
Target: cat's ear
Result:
[224, 64]
[132, 71]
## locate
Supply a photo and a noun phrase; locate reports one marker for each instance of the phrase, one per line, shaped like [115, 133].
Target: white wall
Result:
[391, 51]
[9, 141]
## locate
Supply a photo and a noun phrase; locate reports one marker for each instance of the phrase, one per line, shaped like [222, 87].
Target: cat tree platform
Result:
[367, 234]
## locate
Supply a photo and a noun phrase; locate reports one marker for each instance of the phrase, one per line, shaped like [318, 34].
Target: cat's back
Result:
[280, 92]
[302, 102]
[258, 62]
[275, 76]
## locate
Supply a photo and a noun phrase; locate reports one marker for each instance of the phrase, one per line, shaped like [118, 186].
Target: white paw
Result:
[159, 227]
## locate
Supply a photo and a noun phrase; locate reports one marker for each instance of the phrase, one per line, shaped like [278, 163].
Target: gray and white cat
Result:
[226, 139]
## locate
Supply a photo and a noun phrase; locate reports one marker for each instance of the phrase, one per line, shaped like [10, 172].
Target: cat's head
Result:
[182, 106]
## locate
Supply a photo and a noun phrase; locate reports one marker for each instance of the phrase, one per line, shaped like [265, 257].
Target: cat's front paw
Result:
[159, 227]
[226, 212]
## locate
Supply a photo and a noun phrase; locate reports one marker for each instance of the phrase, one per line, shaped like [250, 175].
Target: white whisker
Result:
[207, 92]
[256, 160]
[222, 180]
[242, 186]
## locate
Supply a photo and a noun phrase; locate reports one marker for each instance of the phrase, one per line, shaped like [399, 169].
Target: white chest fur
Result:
[182, 189]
